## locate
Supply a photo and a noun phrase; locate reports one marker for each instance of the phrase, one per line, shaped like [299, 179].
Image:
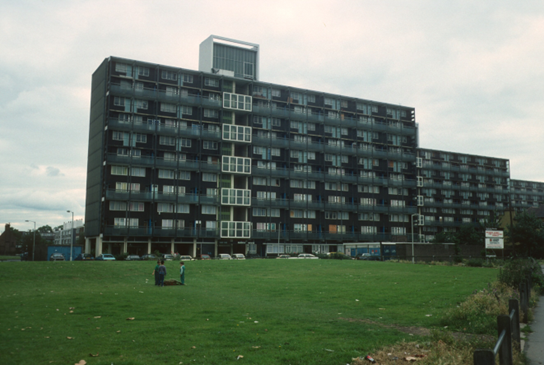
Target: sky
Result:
[473, 70]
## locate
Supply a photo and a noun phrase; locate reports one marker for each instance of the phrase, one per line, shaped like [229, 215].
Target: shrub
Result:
[516, 270]
[121, 257]
[339, 256]
[475, 262]
[457, 259]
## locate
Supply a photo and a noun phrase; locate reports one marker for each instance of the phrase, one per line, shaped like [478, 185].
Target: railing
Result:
[509, 334]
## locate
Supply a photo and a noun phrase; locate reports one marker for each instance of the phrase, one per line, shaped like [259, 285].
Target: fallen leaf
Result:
[239, 357]
[118, 331]
[428, 315]
[91, 355]
[71, 311]
[98, 317]
[194, 347]
[411, 358]
[256, 347]
[382, 309]
[130, 318]
[356, 300]
[81, 362]
[70, 338]
[256, 322]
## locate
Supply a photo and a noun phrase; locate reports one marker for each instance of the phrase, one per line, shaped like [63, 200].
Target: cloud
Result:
[53, 171]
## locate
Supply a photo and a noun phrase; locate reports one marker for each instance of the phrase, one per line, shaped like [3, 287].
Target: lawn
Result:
[268, 311]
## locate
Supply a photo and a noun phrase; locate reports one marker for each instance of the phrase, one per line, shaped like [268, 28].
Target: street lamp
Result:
[34, 239]
[71, 235]
[413, 256]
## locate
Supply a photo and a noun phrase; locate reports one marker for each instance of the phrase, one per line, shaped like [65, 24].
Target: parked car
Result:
[238, 256]
[283, 257]
[370, 258]
[148, 257]
[56, 257]
[132, 258]
[84, 257]
[306, 256]
[186, 258]
[105, 257]
[167, 257]
[224, 256]
[205, 257]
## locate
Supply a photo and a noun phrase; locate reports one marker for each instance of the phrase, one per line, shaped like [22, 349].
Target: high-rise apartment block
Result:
[217, 161]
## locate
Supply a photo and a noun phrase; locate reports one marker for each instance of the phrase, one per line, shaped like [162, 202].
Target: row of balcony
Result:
[503, 173]
[462, 206]
[156, 94]
[284, 236]
[139, 196]
[313, 146]
[496, 190]
[279, 172]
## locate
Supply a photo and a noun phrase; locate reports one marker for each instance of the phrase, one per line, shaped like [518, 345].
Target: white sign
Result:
[494, 239]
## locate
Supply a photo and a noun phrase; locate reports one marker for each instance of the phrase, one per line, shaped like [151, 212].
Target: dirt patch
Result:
[422, 331]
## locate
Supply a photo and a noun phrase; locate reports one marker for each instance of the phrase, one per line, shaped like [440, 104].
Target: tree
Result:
[469, 235]
[527, 235]
[444, 237]
[45, 229]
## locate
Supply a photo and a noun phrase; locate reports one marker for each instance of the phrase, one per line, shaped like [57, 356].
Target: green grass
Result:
[268, 311]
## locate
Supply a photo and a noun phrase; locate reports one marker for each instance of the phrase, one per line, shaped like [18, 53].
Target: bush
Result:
[121, 257]
[339, 256]
[516, 270]
[457, 259]
[475, 262]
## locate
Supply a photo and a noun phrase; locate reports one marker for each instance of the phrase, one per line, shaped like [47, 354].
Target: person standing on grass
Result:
[182, 273]
[156, 272]
[162, 273]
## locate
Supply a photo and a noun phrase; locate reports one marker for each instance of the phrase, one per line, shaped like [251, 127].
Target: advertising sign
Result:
[494, 239]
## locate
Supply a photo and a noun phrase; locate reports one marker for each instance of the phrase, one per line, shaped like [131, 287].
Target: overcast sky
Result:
[473, 70]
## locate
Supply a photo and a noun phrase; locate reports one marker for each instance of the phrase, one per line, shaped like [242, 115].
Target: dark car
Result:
[84, 257]
[369, 258]
[56, 257]
[133, 258]
[204, 257]
[148, 257]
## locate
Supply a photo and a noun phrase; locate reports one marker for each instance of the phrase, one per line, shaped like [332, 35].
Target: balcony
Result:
[240, 197]
[270, 142]
[272, 203]
[235, 229]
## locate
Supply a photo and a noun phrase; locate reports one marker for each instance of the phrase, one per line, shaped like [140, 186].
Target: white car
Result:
[238, 256]
[306, 256]
[186, 258]
[224, 256]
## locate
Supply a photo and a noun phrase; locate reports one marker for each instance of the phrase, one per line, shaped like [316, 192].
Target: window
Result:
[276, 93]
[209, 209]
[237, 101]
[184, 175]
[211, 82]
[122, 152]
[137, 171]
[302, 197]
[123, 186]
[297, 227]
[183, 208]
[118, 205]
[167, 174]
[369, 217]
[186, 110]
[211, 113]
[209, 145]
[209, 177]
[169, 75]
[368, 201]
[275, 152]
[125, 222]
[398, 230]
[136, 207]
[302, 214]
[168, 108]
[141, 104]
[368, 189]
[311, 98]
[184, 142]
[167, 141]
[369, 229]
[117, 101]
[121, 67]
[266, 195]
[337, 199]
[337, 228]
[302, 184]
[276, 122]
[143, 71]
[336, 215]
[140, 138]
[188, 79]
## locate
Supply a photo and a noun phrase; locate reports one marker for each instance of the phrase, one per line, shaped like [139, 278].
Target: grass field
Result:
[268, 311]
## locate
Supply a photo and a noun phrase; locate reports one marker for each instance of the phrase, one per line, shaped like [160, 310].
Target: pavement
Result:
[534, 343]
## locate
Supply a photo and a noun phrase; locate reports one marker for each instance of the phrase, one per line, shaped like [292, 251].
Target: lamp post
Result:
[279, 229]
[33, 239]
[413, 255]
[71, 235]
